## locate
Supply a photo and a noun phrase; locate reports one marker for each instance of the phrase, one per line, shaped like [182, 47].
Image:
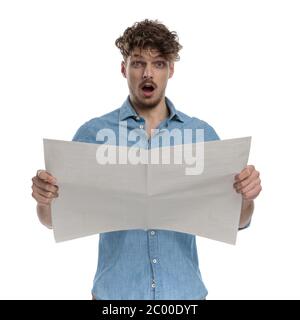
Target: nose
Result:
[148, 72]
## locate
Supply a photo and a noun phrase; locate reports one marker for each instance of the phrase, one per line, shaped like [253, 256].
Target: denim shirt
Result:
[146, 264]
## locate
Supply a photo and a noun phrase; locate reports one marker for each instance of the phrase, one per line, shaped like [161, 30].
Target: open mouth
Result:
[148, 88]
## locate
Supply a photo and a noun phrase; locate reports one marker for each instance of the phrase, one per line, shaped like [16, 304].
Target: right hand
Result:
[44, 188]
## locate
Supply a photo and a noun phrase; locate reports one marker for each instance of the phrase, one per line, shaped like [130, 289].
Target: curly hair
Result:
[149, 34]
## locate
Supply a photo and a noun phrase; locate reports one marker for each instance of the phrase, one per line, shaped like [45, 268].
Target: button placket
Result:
[153, 256]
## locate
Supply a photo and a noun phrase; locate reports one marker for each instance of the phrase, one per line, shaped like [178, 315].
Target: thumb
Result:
[46, 176]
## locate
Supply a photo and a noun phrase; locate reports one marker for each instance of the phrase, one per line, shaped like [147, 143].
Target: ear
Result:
[171, 69]
[123, 69]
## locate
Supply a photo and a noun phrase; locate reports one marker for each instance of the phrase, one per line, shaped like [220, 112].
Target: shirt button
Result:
[153, 285]
[141, 126]
[152, 233]
[154, 260]
[137, 118]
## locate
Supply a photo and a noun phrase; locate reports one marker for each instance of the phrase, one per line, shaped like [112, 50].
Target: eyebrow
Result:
[139, 56]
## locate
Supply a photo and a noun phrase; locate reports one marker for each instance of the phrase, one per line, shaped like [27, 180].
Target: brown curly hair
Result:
[149, 34]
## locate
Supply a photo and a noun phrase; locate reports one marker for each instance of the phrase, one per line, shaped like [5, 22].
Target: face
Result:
[147, 73]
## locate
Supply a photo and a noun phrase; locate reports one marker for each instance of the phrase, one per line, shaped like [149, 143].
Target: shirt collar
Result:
[174, 115]
[127, 111]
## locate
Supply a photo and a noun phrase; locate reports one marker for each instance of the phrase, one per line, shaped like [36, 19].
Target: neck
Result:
[155, 114]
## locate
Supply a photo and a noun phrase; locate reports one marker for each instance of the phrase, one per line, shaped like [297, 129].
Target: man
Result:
[147, 264]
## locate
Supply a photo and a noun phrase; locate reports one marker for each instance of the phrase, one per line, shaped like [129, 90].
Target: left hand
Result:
[248, 183]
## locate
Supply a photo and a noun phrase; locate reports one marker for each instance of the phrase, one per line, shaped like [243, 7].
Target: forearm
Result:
[246, 212]
[44, 214]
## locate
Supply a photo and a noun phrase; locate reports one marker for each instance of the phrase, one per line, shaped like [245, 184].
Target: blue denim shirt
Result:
[146, 264]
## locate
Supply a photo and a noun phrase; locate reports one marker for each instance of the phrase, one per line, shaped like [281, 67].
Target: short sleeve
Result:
[84, 134]
[209, 132]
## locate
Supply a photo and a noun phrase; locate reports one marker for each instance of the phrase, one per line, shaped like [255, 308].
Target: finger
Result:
[245, 173]
[252, 194]
[44, 185]
[242, 184]
[47, 194]
[44, 198]
[41, 199]
[250, 186]
[46, 176]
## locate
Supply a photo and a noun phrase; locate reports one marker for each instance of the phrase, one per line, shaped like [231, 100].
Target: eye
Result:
[160, 64]
[136, 64]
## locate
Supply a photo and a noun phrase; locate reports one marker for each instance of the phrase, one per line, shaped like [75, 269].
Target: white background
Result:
[239, 71]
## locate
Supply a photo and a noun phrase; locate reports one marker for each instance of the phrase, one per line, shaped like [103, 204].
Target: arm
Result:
[246, 213]
[44, 190]
[248, 184]
[44, 215]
